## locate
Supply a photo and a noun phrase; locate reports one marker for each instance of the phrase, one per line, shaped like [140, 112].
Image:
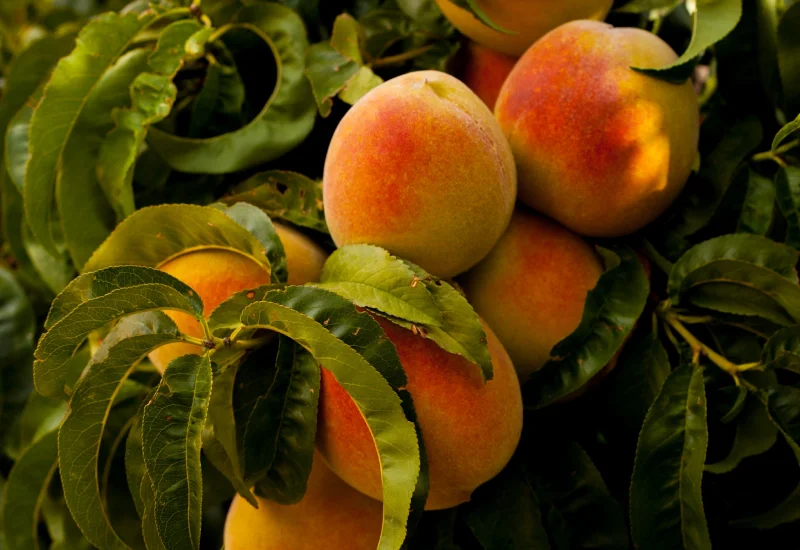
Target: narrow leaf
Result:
[24, 492]
[712, 20]
[609, 314]
[171, 433]
[121, 291]
[82, 432]
[100, 43]
[279, 436]
[789, 58]
[286, 195]
[755, 434]
[505, 512]
[787, 189]
[394, 435]
[286, 118]
[152, 96]
[371, 277]
[666, 506]
[758, 207]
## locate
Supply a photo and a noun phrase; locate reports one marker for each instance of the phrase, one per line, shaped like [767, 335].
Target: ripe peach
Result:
[529, 19]
[420, 167]
[484, 71]
[217, 274]
[532, 287]
[470, 429]
[601, 148]
[304, 257]
[332, 515]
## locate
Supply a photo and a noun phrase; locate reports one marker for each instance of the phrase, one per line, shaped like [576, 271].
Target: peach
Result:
[528, 19]
[599, 147]
[532, 287]
[484, 71]
[304, 257]
[331, 515]
[470, 428]
[420, 167]
[217, 274]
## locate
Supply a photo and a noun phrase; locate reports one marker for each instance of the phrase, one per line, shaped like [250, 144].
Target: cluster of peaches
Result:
[579, 144]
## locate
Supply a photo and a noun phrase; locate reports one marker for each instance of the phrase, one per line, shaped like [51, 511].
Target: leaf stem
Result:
[655, 256]
[401, 57]
[195, 341]
[699, 347]
[775, 155]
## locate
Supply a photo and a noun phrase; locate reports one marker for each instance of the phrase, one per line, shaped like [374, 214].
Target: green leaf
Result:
[473, 7]
[370, 277]
[789, 58]
[782, 350]
[82, 432]
[666, 504]
[337, 68]
[782, 405]
[640, 372]
[95, 299]
[278, 441]
[704, 194]
[16, 151]
[221, 441]
[24, 492]
[609, 314]
[461, 332]
[283, 123]
[286, 195]
[646, 6]
[394, 435]
[40, 416]
[755, 434]
[171, 434]
[153, 235]
[63, 532]
[17, 329]
[505, 512]
[27, 71]
[740, 274]
[787, 190]
[758, 207]
[12, 226]
[570, 485]
[54, 269]
[99, 45]
[226, 316]
[152, 95]
[150, 533]
[712, 20]
[135, 469]
[218, 107]
[786, 131]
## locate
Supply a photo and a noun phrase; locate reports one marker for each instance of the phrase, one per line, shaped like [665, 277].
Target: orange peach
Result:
[532, 287]
[599, 147]
[484, 71]
[420, 167]
[529, 20]
[217, 274]
[332, 515]
[470, 428]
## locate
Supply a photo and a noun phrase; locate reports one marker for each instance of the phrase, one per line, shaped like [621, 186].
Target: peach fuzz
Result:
[599, 147]
[532, 287]
[332, 515]
[470, 428]
[420, 167]
[217, 274]
[484, 71]
[528, 19]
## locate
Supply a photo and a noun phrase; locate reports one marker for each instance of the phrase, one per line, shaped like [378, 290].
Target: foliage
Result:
[133, 133]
